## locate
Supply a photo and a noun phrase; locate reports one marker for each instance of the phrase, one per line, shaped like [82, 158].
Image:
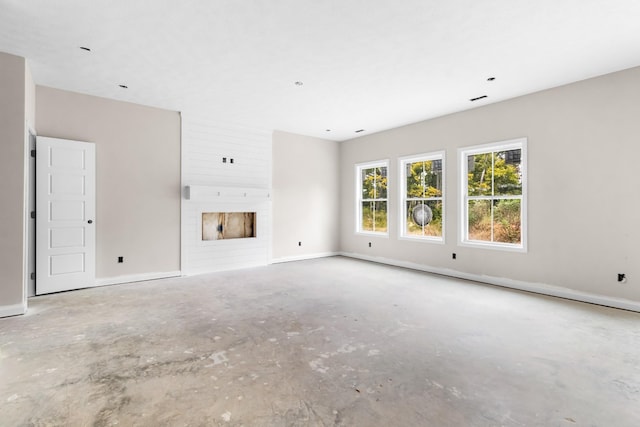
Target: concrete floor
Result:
[329, 342]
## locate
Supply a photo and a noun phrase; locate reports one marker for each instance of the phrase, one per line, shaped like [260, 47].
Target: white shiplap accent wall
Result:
[204, 144]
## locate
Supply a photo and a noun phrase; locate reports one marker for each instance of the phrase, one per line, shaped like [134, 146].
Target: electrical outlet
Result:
[299, 243]
[622, 278]
[453, 255]
[369, 244]
[120, 259]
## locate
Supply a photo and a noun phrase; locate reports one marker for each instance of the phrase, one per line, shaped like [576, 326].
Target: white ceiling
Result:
[365, 64]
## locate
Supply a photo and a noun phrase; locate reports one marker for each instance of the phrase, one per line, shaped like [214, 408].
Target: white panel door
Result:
[65, 215]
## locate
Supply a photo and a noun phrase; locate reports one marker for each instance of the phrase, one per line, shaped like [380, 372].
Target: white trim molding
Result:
[537, 288]
[117, 280]
[303, 257]
[13, 310]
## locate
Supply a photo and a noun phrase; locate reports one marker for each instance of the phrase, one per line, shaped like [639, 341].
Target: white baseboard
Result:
[13, 310]
[303, 257]
[221, 269]
[136, 278]
[538, 288]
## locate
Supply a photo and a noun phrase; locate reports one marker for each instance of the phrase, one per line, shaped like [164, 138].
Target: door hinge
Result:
[33, 153]
[33, 276]
[33, 214]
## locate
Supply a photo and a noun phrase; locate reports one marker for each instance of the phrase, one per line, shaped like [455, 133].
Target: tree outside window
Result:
[494, 194]
[372, 198]
[423, 198]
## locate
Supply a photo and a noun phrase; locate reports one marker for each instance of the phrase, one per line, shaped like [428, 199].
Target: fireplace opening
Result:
[228, 225]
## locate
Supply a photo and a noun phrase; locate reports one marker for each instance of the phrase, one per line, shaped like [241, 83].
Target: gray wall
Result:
[16, 91]
[306, 187]
[137, 177]
[30, 98]
[583, 197]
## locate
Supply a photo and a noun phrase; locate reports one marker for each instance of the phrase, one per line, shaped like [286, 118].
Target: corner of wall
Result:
[13, 133]
[306, 197]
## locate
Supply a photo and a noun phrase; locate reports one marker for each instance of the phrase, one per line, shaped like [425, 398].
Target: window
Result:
[371, 198]
[422, 206]
[493, 195]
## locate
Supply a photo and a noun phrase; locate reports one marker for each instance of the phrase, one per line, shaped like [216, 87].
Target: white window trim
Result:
[463, 152]
[358, 170]
[402, 161]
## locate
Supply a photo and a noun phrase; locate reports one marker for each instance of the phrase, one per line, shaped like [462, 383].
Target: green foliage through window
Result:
[373, 199]
[494, 196]
[423, 198]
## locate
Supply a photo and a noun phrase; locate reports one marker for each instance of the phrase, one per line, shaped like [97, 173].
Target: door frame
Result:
[30, 220]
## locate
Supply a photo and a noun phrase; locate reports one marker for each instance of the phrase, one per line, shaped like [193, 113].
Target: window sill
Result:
[493, 246]
[436, 240]
[373, 234]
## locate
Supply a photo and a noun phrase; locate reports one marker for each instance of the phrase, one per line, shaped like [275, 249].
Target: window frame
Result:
[402, 162]
[358, 178]
[463, 205]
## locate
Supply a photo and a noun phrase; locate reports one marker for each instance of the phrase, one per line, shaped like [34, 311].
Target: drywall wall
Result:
[137, 179]
[30, 98]
[306, 196]
[582, 178]
[14, 79]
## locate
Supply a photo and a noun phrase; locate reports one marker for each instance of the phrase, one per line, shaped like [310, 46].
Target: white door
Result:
[65, 215]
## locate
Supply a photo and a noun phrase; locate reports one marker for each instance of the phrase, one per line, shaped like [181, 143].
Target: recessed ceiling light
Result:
[298, 83]
[478, 98]
[490, 79]
[85, 48]
[359, 130]
[124, 86]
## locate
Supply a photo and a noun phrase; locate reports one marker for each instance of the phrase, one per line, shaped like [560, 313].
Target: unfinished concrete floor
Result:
[329, 342]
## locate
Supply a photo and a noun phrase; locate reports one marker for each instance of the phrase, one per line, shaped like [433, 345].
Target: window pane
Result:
[381, 183]
[424, 179]
[507, 221]
[380, 216]
[479, 214]
[480, 173]
[424, 218]
[367, 216]
[374, 216]
[413, 179]
[507, 179]
[368, 183]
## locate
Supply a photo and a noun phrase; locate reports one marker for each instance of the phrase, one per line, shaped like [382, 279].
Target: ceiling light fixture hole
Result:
[124, 86]
[490, 79]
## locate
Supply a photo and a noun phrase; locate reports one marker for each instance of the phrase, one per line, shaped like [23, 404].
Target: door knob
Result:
[90, 221]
